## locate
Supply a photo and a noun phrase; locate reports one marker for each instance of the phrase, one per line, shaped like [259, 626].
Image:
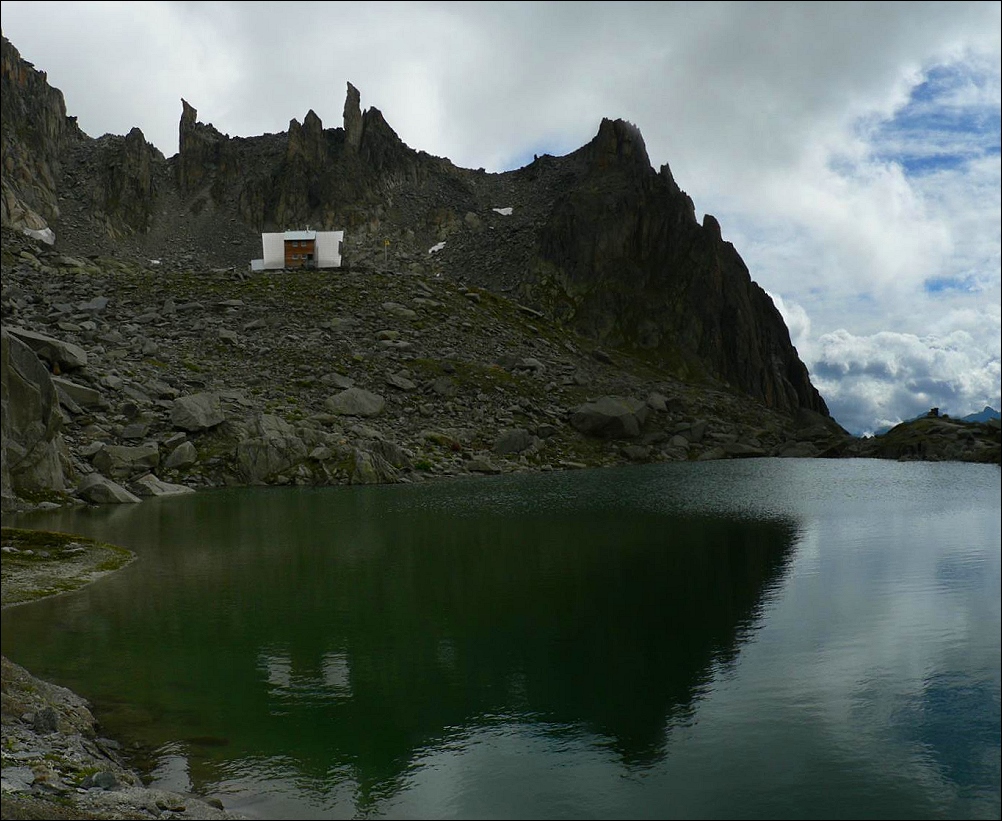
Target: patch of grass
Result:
[38, 563]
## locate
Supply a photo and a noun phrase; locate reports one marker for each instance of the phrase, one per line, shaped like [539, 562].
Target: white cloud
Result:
[882, 379]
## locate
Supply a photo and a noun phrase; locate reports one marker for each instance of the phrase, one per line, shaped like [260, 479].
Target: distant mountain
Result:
[982, 416]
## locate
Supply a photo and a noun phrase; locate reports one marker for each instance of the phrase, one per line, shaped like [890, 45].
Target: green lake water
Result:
[744, 639]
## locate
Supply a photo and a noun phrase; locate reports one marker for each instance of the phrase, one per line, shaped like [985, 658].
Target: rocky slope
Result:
[160, 379]
[596, 241]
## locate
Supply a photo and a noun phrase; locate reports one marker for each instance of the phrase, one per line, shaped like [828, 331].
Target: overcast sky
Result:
[851, 152]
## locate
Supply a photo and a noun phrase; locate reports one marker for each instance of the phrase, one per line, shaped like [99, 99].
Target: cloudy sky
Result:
[850, 151]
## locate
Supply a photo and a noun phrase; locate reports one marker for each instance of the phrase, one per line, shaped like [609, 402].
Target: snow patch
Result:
[504, 212]
[45, 235]
[436, 248]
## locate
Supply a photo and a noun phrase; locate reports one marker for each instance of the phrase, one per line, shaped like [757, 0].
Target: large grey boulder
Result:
[367, 468]
[184, 455]
[356, 402]
[62, 355]
[742, 450]
[100, 490]
[271, 447]
[797, 450]
[390, 452]
[32, 453]
[126, 461]
[150, 485]
[611, 417]
[514, 440]
[81, 395]
[197, 412]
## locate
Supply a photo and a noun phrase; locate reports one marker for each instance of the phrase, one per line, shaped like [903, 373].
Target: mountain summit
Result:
[596, 240]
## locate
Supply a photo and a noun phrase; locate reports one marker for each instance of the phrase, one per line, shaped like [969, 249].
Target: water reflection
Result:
[755, 639]
[351, 628]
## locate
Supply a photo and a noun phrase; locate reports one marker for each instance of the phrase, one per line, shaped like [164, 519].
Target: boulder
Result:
[197, 412]
[696, 432]
[95, 305]
[636, 453]
[715, 452]
[355, 402]
[271, 448]
[64, 356]
[444, 386]
[125, 461]
[390, 452]
[367, 468]
[479, 464]
[184, 455]
[657, 402]
[81, 395]
[100, 490]
[400, 382]
[150, 485]
[742, 450]
[514, 440]
[611, 417]
[797, 450]
[337, 380]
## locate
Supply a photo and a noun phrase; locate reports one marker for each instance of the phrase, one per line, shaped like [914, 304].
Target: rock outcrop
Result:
[118, 181]
[935, 439]
[32, 451]
[353, 119]
[34, 133]
[200, 151]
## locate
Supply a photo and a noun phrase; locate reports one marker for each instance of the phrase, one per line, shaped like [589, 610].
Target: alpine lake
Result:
[756, 638]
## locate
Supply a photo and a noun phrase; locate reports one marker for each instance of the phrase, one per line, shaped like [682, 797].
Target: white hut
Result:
[300, 249]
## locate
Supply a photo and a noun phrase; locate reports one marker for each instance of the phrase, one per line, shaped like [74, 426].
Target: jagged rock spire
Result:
[353, 118]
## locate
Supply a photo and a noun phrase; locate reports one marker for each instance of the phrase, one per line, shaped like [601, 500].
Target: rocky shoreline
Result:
[56, 761]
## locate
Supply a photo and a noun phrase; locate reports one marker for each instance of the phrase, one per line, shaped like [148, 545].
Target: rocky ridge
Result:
[596, 241]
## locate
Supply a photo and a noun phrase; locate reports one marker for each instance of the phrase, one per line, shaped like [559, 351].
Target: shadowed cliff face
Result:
[597, 240]
[624, 247]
